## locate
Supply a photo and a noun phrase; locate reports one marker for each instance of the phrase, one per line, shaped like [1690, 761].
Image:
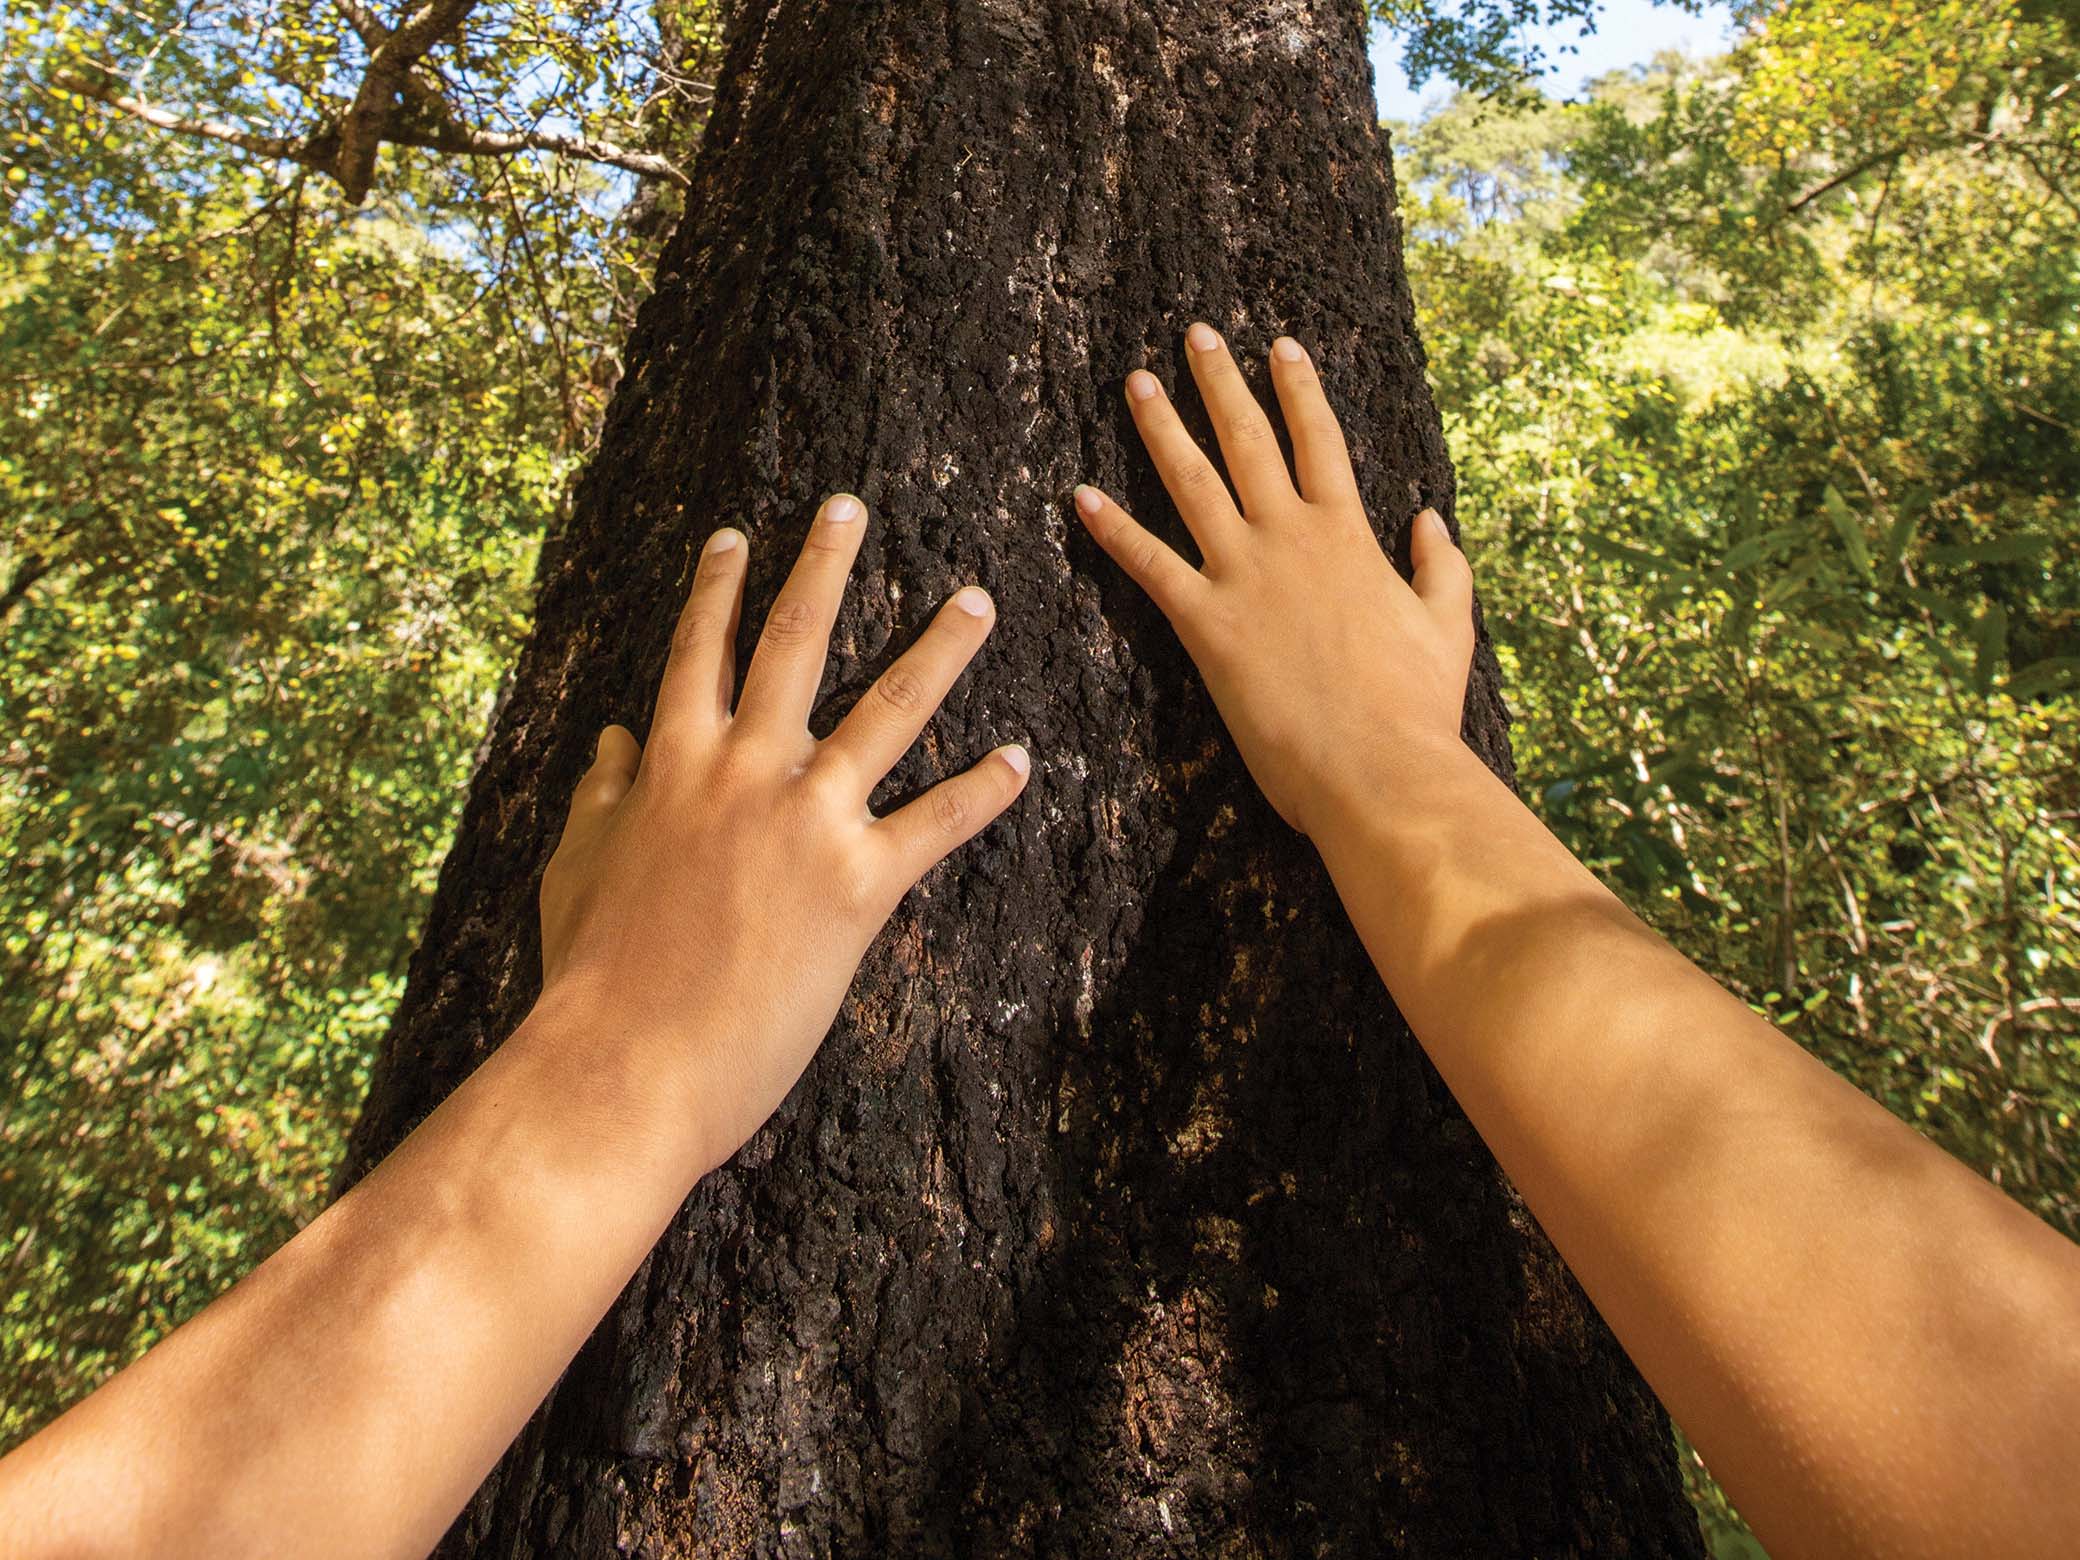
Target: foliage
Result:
[276, 470]
[1488, 48]
[1773, 496]
[1761, 374]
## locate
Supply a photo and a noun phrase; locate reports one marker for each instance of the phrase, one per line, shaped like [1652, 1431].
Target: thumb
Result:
[1442, 579]
[613, 771]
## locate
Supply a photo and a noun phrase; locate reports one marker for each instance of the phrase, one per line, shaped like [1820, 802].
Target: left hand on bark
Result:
[719, 887]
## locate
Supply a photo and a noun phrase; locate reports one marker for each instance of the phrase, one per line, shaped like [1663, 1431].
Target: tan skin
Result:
[703, 914]
[1877, 1352]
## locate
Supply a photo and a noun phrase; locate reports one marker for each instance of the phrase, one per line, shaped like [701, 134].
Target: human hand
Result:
[717, 889]
[1326, 665]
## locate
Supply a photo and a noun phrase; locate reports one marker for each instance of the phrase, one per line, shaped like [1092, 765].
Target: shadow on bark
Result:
[1297, 1311]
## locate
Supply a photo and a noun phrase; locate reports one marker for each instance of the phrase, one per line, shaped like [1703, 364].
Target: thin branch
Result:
[2021, 151]
[2033, 1005]
[455, 137]
[1853, 171]
[179, 124]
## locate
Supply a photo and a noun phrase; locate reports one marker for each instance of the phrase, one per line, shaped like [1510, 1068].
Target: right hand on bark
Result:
[1327, 666]
[717, 889]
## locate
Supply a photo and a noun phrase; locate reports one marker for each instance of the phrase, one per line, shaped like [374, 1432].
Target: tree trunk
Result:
[1119, 1213]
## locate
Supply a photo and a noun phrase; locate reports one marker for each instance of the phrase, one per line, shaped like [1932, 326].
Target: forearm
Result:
[1863, 1337]
[347, 1397]
[707, 904]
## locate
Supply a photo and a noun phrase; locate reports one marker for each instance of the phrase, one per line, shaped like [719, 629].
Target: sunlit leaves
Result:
[275, 474]
[1775, 515]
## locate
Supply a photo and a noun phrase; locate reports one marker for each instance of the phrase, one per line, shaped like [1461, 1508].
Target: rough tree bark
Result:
[1119, 1214]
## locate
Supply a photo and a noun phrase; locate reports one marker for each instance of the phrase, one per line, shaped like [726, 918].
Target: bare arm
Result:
[1875, 1350]
[703, 915]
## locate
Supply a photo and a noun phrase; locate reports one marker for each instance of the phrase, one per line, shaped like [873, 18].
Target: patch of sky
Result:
[1627, 33]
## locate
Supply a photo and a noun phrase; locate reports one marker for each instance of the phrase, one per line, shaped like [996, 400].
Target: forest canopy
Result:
[1761, 372]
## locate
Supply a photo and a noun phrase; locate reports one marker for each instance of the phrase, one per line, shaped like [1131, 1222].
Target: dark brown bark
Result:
[1119, 1213]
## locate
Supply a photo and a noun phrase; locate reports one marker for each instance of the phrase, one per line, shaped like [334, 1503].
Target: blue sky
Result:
[1631, 32]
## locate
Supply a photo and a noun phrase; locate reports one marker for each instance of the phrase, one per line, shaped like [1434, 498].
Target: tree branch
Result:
[1854, 170]
[179, 124]
[454, 137]
[363, 129]
[364, 22]
[433, 127]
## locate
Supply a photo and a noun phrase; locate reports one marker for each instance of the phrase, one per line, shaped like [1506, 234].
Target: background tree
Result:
[1773, 441]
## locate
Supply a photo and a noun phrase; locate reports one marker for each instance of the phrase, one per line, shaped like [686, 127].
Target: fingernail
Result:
[1435, 522]
[843, 510]
[1287, 350]
[973, 600]
[1089, 499]
[1141, 384]
[722, 541]
[1202, 338]
[1017, 757]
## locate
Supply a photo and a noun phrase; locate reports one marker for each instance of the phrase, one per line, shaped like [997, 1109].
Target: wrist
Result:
[1396, 782]
[628, 1076]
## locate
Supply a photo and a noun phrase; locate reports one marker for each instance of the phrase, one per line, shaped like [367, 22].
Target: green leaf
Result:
[1990, 635]
[1604, 547]
[1941, 606]
[1744, 555]
[2053, 674]
[2005, 549]
[1849, 529]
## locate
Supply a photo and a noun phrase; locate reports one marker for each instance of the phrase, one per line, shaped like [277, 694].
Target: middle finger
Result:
[1249, 445]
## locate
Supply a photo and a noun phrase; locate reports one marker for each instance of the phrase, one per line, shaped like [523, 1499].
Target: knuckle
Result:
[1251, 430]
[1197, 476]
[829, 786]
[791, 621]
[901, 691]
[1144, 556]
[856, 884]
[695, 624]
[1323, 425]
[667, 763]
[727, 769]
[951, 810]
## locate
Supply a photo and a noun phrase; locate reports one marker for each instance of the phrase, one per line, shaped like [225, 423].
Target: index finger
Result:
[787, 666]
[702, 668]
